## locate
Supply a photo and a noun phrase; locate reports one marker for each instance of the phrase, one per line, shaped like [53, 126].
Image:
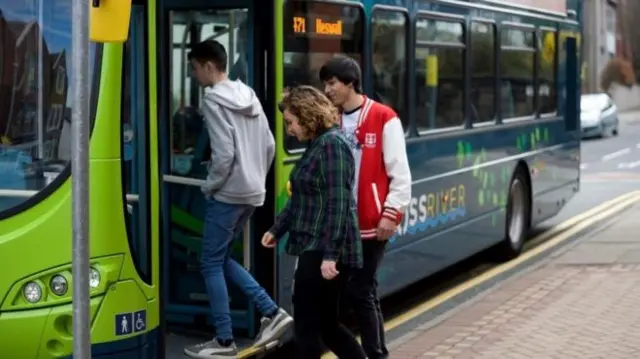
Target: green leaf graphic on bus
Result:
[492, 182]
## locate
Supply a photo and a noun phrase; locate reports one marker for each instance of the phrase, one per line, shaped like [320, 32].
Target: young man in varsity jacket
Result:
[382, 187]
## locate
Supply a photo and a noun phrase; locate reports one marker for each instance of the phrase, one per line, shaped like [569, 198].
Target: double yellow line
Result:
[541, 243]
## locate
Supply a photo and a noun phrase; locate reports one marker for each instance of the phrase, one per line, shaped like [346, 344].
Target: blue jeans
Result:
[222, 222]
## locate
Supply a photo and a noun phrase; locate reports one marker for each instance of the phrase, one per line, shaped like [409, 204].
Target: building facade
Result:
[600, 39]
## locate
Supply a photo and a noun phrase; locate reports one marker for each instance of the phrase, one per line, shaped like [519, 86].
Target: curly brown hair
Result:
[314, 110]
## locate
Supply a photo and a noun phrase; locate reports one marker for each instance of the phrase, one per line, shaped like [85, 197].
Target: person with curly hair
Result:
[320, 218]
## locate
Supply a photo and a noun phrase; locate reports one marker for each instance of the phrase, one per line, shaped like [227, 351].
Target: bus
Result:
[487, 92]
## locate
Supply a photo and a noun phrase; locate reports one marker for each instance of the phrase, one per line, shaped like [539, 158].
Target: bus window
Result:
[516, 71]
[190, 143]
[35, 106]
[389, 37]
[547, 77]
[314, 32]
[483, 61]
[439, 54]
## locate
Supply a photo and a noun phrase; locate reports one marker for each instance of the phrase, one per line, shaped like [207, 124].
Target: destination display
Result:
[317, 26]
[322, 21]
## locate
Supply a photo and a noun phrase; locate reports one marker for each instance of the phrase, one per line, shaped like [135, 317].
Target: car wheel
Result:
[603, 131]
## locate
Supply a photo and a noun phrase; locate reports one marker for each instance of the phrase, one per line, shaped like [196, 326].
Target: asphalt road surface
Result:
[610, 167]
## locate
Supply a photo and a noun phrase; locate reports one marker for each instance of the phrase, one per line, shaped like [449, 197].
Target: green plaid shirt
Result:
[321, 213]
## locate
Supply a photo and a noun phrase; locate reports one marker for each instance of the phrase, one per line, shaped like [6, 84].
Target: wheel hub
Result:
[517, 215]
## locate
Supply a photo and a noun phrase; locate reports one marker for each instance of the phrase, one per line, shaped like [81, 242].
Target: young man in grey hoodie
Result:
[242, 151]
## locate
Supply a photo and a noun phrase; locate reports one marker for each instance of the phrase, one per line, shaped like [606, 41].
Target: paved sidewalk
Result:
[583, 303]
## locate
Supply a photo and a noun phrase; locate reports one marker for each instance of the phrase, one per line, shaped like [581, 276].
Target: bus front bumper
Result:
[45, 333]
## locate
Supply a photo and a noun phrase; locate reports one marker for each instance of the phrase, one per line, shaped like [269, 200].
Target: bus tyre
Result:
[517, 220]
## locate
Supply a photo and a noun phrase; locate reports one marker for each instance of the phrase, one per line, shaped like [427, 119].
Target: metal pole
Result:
[41, 153]
[80, 178]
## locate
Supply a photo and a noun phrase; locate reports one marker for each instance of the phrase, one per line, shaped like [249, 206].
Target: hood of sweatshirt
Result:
[236, 97]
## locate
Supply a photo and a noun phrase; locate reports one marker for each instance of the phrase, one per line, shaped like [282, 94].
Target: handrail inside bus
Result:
[187, 181]
[16, 193]
[23, 193]
[246, 237]
[131, 198]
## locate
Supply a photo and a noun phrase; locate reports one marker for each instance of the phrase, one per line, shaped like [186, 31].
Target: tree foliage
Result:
[619, 71]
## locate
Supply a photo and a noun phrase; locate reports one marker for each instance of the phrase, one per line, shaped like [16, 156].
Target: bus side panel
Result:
[460, 189]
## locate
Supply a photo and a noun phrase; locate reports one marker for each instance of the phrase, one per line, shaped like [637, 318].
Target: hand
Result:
[268, 240]
[328, 269]
[386, 229]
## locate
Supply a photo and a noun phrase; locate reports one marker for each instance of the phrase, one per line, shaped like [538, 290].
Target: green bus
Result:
[487, 91]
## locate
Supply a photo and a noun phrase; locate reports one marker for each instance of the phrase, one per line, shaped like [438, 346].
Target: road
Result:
[610, 167]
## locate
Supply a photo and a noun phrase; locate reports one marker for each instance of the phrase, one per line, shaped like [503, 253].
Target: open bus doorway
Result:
[185, 151]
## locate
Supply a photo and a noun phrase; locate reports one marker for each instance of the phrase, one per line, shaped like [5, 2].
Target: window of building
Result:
[547, 72]
[389, 60]
[35, 96]
[517, 72]
[610, 19]
[314, 32]
[483, 63]
[439, 54]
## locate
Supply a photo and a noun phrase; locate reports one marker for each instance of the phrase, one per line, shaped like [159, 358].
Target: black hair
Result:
[343, 68]
[209, 50]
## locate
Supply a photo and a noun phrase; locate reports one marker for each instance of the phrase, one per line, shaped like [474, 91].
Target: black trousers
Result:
[315, 310]
[362, 296]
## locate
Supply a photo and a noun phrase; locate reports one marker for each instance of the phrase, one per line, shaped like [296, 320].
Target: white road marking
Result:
[637, 145]
[616, 154]
[629, 164]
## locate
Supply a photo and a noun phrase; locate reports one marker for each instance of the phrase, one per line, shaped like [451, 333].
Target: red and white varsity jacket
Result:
[384, 185]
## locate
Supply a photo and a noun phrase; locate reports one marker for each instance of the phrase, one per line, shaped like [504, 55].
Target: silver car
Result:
[598, 115]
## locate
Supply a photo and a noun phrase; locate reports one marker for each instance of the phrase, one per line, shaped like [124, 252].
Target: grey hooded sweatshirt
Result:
[242, 145]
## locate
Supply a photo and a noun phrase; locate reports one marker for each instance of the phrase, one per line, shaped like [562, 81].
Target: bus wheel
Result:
[517, 221]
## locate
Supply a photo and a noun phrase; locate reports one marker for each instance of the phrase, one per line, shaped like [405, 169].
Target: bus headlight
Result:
[94, 278]
[32, 292]
[59, 285]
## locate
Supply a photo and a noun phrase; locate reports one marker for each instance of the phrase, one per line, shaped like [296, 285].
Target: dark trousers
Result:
[315, 310]
[362, 296]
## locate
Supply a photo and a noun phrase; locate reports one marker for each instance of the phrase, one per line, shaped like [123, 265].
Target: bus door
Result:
[185, 151]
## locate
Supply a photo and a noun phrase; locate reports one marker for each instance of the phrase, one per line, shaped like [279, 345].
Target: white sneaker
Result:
[272, 329]
[212, 350]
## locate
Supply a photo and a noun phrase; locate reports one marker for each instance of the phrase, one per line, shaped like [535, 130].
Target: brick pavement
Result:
[583, 303]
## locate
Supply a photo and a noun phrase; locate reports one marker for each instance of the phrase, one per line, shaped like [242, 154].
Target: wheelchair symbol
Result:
[140, 321]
